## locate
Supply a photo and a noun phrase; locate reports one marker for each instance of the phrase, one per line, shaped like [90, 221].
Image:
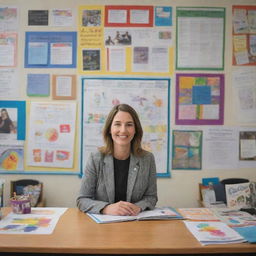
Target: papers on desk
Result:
[42, 220]
[156, 214]
[213, 232]
[198, 214]
[235, 218]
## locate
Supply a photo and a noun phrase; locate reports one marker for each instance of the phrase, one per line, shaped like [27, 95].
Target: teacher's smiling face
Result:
[122, 129]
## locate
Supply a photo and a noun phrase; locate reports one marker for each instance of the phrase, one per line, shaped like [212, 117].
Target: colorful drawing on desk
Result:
[26, 225]
[214, 231]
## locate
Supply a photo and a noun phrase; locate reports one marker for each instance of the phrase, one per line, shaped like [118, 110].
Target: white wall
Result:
[181, 190]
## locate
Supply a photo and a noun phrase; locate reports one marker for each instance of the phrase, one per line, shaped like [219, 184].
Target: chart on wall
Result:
[149, 97]
[200, 38]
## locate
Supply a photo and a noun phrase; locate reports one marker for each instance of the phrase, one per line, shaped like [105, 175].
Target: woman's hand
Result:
[122, 208]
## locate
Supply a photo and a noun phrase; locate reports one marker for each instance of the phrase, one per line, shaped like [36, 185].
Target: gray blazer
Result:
[98, 185]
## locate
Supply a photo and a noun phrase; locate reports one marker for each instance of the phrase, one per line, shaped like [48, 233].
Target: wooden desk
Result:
[76, 233]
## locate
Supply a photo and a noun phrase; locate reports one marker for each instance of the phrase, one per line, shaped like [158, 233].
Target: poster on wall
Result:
[50, 49]
[51, 134]
[8, 49]
[244, 94]
[12, 135]
[199, 99]
[125, 39]
[187, 149]
[244, 35]
[200, 38]
[149, 97]
[9, 18]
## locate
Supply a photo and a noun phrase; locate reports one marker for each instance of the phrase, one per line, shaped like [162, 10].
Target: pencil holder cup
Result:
[20, 205]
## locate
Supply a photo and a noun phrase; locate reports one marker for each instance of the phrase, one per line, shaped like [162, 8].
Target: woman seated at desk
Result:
[120, 178]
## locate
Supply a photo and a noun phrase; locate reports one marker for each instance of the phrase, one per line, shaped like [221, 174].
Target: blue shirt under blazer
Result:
[98, 184]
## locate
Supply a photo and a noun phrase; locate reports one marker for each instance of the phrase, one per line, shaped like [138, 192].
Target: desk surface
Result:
[77, 233]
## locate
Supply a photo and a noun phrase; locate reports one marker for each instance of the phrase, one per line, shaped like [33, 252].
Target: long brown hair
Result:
[136, 148]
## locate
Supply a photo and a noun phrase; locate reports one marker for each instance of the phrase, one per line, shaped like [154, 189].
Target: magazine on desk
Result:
[163, 213]
[208, 232]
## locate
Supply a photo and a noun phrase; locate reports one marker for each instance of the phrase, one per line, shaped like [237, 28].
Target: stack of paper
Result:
[213, 232]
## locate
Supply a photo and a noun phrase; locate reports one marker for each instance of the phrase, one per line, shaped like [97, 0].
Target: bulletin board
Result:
[125, 40]
[150, 99]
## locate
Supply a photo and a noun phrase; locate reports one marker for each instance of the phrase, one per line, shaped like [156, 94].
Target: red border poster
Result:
[127, 20]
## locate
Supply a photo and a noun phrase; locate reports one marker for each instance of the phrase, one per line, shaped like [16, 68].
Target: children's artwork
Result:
[238, 195]
[247, 149]
[199, 99]
[11, 158]
[244, 38]
[209, 232]
[40, 221]
[149, 97]
[52, 134]
[186, 149]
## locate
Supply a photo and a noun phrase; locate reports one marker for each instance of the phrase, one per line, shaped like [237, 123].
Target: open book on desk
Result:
[156, 214]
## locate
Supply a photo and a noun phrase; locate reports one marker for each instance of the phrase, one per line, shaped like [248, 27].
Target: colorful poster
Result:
[199, 99]
[244, 38]
[149, 97]
[187, 150]
[124, 40]
[51, 134]
[50, 50]
[11, 158]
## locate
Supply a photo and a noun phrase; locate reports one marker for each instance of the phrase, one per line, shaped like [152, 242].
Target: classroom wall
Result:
[181, 190]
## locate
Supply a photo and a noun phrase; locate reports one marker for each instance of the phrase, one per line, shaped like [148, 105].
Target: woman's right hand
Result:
[121, 208]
